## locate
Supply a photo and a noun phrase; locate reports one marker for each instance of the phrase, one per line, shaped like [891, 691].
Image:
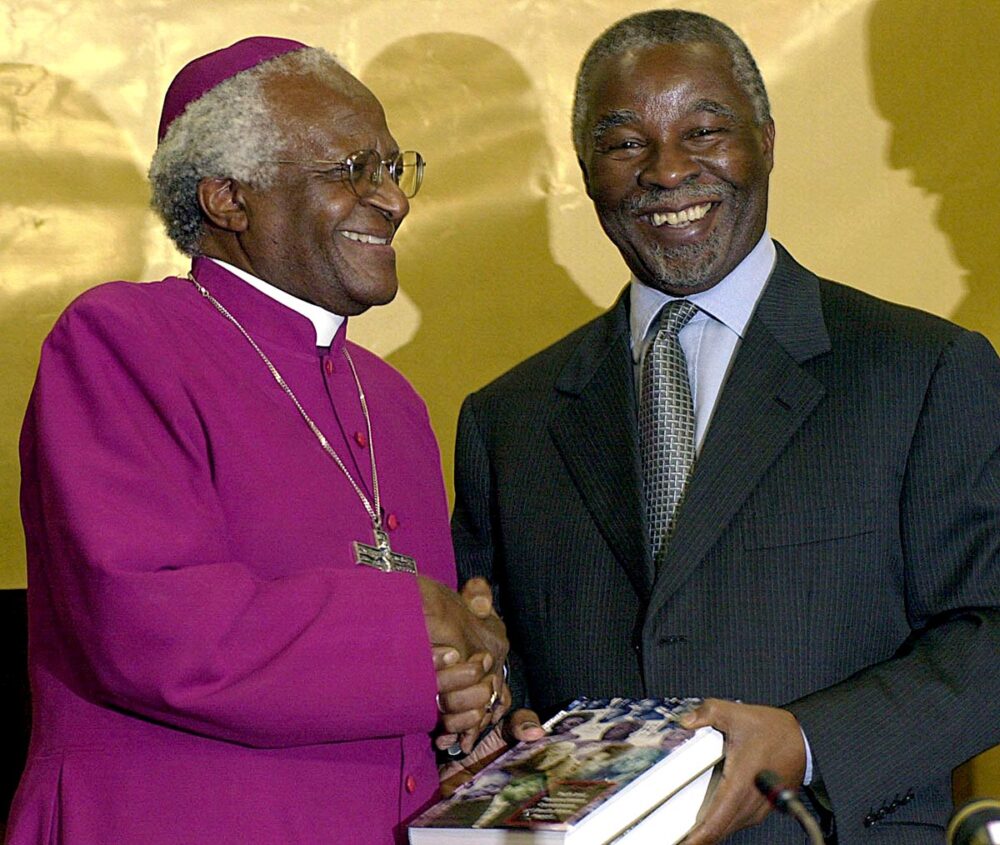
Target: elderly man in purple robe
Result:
[242, 627]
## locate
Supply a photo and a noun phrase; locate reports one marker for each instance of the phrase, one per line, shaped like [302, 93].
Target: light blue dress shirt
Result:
[712, 337]
[710, 340]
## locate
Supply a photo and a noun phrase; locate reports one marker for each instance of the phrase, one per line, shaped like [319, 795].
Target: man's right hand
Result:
[469, 654]
[451, 623]
[465, 697]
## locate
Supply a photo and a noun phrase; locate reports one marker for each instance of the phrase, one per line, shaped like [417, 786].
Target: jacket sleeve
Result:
[936, 702]
[152, 613]
[473, 531]
[470, 523]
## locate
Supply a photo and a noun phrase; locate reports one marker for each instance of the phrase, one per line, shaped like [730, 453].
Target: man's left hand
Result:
[471, 692]
[521, 725]
[469, 698]
[756, 738]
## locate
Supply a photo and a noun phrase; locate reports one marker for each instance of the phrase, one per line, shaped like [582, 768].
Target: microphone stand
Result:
[787, 801]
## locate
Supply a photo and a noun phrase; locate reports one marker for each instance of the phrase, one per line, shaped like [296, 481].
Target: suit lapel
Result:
[766, 398]
[595, 433]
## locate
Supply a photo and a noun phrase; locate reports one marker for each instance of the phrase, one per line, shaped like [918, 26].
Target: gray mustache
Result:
[674, 196]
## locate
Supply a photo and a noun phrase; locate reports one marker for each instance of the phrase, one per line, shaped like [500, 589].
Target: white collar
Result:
[324, 322]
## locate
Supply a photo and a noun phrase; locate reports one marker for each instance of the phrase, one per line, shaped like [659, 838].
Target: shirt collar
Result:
[731, 301]
[324, 322]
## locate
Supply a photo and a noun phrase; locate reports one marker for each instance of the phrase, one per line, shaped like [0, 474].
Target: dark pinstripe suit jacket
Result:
[838, 551]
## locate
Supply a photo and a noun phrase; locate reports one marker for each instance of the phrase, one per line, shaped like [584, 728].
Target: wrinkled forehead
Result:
[328, 113]
[701, 70]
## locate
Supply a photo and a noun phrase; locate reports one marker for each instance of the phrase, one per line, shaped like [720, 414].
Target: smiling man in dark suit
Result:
[781, 491]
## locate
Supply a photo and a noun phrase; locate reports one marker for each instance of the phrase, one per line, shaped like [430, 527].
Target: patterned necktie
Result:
[666, 424]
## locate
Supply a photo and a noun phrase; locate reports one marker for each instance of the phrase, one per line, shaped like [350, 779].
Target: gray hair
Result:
[666, 26]
[229, 132]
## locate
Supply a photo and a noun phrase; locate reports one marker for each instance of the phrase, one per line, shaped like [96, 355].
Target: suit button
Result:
[361, 438]
[328, 366]
[410, 784]
[869, 820]
[673, 639]
[392, 522]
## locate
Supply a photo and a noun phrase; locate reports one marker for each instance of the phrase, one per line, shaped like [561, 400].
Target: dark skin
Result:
[674, 135]
[677, 167]
[301, 233]
[310, 235]
[671, 132]
[465, 713]
[508, 728]
[469, 652]
[757, 738]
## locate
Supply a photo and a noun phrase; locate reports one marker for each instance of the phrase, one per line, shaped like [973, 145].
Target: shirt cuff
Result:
[807, 779]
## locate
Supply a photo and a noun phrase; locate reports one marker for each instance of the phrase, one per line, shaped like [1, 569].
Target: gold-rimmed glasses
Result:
[364, 170]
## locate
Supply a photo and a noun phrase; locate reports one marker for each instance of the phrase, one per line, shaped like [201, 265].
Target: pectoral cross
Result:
[381, 556]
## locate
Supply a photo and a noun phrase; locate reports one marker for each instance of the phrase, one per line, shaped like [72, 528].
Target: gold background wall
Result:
[887, 167]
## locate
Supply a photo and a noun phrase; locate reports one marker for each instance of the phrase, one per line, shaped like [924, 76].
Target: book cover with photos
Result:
[608, 770]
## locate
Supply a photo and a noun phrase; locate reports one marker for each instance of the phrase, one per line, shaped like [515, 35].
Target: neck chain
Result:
[380, 555]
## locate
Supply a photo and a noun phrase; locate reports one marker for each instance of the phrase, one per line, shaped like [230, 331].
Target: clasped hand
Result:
[473, 695]
[469, 644]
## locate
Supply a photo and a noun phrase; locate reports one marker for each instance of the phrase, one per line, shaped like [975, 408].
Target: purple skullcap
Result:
[201, 75]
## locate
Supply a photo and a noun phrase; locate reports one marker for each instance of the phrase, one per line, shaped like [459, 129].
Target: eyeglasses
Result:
[364, 170]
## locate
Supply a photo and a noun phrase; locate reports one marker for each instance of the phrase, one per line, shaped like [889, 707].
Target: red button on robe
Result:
[209, 664]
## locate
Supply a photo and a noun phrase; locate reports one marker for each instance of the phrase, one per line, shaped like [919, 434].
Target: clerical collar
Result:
[324, 322]
[732, 301]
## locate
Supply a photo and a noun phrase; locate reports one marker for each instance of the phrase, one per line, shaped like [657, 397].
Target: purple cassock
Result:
[208, 662]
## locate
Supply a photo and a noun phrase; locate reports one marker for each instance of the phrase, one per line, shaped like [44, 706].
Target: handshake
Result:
[469, 644]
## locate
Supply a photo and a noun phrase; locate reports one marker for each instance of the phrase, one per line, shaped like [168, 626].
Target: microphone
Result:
[975, 823]
[787, 801]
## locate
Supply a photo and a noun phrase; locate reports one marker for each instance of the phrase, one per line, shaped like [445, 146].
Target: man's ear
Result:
[767, 144]
[586, 178]
[223, 203]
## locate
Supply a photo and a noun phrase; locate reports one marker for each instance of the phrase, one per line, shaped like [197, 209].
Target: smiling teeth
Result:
[365, 239]
[683, 217]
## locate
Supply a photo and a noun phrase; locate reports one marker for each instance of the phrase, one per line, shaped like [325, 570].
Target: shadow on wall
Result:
[931, 66]
[72, 211]
[934, 68]
[474, 254]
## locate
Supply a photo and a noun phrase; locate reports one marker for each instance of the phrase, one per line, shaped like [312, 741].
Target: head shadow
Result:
[474, 253]
[931, 64]
[73, 213]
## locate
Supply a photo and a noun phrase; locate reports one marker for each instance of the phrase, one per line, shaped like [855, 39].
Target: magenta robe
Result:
[208, 663]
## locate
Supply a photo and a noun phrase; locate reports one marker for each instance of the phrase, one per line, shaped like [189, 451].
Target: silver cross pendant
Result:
[381, 556]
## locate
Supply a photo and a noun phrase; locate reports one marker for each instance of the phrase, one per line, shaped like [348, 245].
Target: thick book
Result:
[616, 770]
